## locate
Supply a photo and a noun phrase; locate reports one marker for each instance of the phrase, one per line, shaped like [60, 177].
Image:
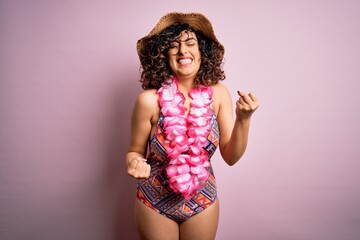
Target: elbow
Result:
[232, 160]
[230, 163]
[231, 157]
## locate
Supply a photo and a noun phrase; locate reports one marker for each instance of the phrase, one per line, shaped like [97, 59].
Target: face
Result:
[184, 55]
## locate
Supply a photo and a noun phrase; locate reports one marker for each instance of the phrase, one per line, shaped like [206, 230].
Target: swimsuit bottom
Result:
[155, 193]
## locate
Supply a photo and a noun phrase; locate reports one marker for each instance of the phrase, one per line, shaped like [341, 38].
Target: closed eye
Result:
[174, 45]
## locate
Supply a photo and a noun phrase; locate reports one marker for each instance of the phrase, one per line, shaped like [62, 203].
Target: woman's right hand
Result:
[138, 168]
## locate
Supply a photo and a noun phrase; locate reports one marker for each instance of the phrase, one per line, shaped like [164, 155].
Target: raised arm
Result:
[141, 123]
[234, 134]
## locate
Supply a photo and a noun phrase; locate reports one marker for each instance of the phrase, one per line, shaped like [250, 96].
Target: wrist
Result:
[243, 120]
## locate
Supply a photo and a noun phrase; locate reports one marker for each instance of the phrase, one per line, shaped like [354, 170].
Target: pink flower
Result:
[176, 151]
[182, 169]
[181, 159]
[180, 140]
[171, 171]
[206, 164]
[172, 132]
[197, 169]
[198, 121]
[168, 90]
[198, 112]
[194, 160]
[183, 178]
[174, 120]
[187, 170]
[195, 150]
[203, 175]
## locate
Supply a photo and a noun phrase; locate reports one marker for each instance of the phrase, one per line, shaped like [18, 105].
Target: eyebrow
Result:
[189, 39]
[186, 40]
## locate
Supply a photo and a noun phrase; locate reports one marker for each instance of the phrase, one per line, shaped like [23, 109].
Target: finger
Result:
[134, 163]
[244, 99]
[145, 167]
[253, 97]
[241, 94]
[132, 168]
[141, 159]
[144, 171]
[241, 103]
[139, 166]
[247, 99]
[148, 170]
[244, 106]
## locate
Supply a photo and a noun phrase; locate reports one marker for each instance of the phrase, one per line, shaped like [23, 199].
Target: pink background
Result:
[68, 80]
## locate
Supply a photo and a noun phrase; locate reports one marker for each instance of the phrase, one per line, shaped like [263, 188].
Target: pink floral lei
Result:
[187, 135]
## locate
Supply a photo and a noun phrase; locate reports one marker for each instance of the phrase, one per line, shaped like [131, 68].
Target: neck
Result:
[185, 83]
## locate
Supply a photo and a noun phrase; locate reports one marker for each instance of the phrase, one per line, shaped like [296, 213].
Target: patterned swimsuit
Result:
[155, 192]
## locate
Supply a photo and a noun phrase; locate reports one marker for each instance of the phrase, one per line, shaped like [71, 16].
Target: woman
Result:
[177, 123]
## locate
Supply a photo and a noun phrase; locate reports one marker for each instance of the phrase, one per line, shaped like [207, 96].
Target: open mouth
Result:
[184, 61]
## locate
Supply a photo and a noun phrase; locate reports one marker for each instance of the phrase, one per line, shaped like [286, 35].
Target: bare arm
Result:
[140, 131]
[234, 134]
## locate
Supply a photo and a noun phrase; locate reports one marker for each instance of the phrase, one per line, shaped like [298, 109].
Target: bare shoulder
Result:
[147, 106]
[221, 96]
[147, 99]
[221, 93]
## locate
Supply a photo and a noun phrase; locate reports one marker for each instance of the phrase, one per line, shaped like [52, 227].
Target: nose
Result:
[182, 48]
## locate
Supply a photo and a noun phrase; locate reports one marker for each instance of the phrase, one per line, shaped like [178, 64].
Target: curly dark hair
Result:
[155, 68]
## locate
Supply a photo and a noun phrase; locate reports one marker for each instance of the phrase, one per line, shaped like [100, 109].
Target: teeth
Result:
[185, 60]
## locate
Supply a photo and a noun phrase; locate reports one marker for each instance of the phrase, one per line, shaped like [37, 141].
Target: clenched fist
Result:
[246, 105]
[138, 168]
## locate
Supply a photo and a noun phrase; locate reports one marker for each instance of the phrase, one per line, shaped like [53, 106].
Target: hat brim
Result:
[196, 20]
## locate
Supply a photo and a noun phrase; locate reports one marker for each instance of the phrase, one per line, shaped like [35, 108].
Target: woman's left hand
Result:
[246, 105]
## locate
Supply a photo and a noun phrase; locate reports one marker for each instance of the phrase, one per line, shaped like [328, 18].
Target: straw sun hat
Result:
[196, 20]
